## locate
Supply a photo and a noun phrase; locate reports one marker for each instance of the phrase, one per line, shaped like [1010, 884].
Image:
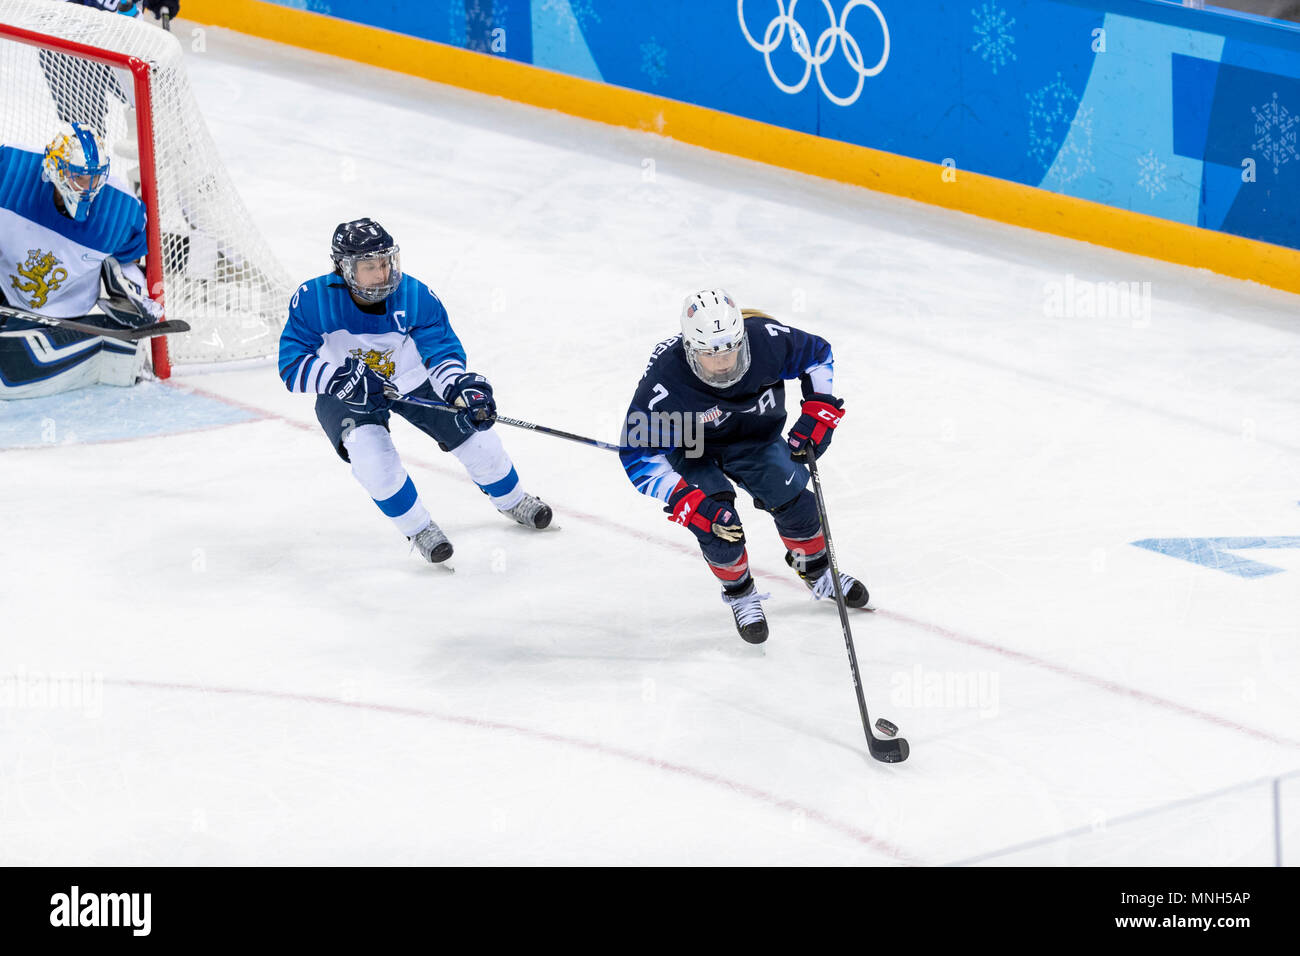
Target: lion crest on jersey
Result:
[381, 363]
[43, 275]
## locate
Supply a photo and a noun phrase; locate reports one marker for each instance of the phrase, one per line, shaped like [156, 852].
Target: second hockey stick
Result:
[513, 422]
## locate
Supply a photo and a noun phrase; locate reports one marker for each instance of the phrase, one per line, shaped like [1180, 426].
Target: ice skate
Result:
[821, 585]
[432, 544]
[747, 609]
[530, 512]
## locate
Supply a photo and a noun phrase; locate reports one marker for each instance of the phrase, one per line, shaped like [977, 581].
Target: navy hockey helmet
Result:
[367, 258]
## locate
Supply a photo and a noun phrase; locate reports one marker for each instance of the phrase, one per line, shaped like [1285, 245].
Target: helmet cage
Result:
[726, 336]
[720, 379]
[78, 169]
[347, 268]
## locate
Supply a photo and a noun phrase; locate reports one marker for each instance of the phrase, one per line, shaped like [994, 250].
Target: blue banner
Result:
[1189, 115]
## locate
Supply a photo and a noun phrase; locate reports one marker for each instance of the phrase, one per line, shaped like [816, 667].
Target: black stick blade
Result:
[888, 751]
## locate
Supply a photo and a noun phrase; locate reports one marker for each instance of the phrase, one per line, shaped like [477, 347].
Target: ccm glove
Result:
[691, 508]
[358, 386]
[813, 428]
[472, 392]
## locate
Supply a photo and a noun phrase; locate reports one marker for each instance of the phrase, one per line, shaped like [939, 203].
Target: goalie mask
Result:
[367, 258]
[713, 335]
[76, 163]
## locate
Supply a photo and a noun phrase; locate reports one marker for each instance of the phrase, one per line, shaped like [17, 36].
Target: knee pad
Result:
[484, 457]
[718, 552]
[375, 462]
[798, 517]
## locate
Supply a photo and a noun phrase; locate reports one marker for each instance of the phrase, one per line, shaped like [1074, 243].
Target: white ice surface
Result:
[283, 683]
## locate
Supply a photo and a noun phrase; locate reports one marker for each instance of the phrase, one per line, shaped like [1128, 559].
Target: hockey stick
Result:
[169, 327]
[889, 751]
[393, 395]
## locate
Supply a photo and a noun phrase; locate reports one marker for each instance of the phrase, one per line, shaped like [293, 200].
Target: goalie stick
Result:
[887, 751]
[393, 395]
[170, 327]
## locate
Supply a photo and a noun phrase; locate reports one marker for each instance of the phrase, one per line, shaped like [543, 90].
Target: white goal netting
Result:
[218, 273]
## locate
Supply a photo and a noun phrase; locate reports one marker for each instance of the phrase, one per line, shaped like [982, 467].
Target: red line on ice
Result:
[703, 776]
[934, 629]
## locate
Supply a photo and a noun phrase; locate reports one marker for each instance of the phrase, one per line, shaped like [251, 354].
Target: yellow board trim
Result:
[985, 196]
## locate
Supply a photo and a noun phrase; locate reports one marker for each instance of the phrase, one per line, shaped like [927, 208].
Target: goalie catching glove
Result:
[814, 427]
[691, 508]
[472, 392]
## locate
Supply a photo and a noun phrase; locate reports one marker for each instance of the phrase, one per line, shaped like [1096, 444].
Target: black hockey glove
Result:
[358, 386]
[472, 392]
[814, 428]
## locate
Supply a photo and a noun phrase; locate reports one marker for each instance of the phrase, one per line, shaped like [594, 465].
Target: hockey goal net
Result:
[126, 78]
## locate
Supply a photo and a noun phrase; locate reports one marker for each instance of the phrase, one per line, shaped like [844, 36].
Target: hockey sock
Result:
[735, 576]
[376, 465]
[801, 531]
[489, 467]
[810, 555]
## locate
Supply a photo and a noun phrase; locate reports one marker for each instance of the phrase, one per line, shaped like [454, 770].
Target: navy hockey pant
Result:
[777, 484]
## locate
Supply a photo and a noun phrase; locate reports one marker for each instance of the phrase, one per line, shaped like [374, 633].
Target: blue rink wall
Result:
[1137, 104]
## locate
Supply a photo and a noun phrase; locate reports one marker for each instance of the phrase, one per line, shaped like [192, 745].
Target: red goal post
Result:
[206, 263]
[144, 139]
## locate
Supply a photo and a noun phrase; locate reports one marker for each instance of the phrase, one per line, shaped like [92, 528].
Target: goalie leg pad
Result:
[36, 361]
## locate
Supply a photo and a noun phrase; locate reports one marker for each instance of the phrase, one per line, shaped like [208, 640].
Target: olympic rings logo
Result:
[814, 55]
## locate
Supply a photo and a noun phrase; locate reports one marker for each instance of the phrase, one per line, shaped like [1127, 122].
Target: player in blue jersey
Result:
[709, 413]
[365, 328]
[64, 229]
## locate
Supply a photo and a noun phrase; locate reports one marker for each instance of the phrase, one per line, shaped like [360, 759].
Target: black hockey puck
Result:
[885, 727]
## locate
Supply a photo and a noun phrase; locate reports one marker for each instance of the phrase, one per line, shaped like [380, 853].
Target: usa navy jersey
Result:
[751, 411]
[50, 263]
[407, 338]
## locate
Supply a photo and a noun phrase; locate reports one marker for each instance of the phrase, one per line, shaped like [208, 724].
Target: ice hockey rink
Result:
[217, 650]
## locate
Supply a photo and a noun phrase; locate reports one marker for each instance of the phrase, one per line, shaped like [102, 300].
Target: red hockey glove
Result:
[691, 508]
[821, 413]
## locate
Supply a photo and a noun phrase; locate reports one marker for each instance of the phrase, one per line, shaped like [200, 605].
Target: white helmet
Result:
[77, 164]
[713, 334]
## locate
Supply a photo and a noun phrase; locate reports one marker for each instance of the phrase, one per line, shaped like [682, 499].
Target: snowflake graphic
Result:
[474, 17]
[583, 14]
[1151, 173]
[1055, 117]
[994, 32]
[1075, 156]
[654, 60]
[1276, 128]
